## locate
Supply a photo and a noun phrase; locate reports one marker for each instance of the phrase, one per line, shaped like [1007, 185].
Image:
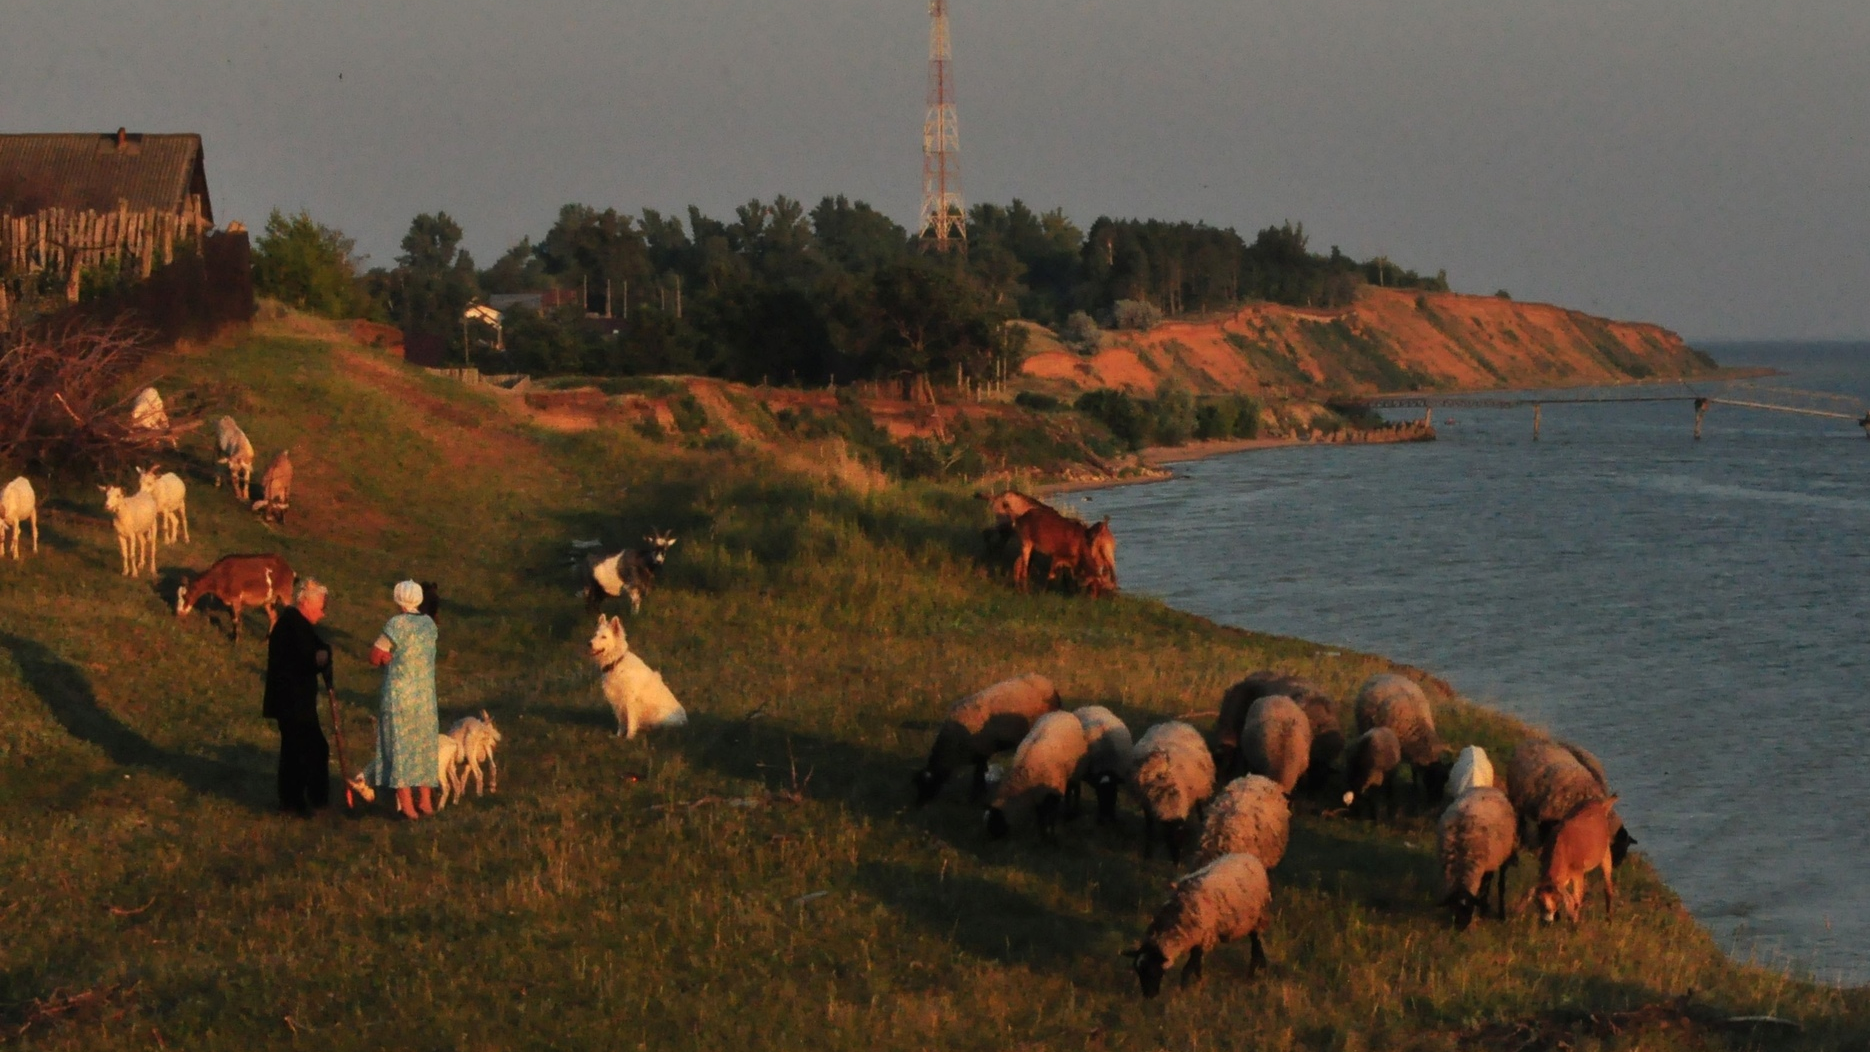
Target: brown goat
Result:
[1062, 540]
[276, 487]
[1100, 559]
[239, 582]
[1579, 844]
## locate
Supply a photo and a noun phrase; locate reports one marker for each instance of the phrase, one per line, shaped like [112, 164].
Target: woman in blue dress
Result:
[408, 723]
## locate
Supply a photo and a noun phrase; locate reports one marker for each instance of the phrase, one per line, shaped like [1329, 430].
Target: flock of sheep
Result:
[1275, 736]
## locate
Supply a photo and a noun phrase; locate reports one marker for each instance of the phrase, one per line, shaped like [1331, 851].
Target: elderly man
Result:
[296, 659]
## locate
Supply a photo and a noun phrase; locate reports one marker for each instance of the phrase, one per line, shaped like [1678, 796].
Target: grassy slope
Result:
[580, 908]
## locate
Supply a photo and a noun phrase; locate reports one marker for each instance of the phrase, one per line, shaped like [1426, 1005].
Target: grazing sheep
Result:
[1548, 780]
[1579, 844]
[1277, 741]
[1370, 760]
[1107, 757]
[989, 721]
[636, 692]
[1327, 736]
[276, 489]
[135, 519]
[1224, 900]
[1250, 816]
[171, 500]
[1392, 701]
[1477, 838]
[629, 572]
[1044, 772]
[449, 775]
[1239, 698]
[475, 739]
[19, 505]
[147, 413]
[1172, 774]
[1472, 770]
[237, 453]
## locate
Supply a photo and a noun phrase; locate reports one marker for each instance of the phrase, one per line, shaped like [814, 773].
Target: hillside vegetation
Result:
[1386, 340]
[755, 880]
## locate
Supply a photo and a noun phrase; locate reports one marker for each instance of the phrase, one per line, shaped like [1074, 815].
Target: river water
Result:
[1693, 612]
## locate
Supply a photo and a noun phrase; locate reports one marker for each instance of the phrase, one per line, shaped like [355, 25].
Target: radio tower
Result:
[944, 217]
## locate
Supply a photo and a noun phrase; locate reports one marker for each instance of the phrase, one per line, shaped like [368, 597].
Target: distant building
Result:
[101, 173]
[543, 301]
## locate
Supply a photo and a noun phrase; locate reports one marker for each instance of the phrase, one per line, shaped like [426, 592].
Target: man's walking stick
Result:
[337, 735]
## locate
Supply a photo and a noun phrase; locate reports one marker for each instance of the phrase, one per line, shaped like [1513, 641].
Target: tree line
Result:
[783, 294]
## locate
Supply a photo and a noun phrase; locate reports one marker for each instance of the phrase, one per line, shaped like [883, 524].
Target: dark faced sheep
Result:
[1369, 762]
[1387, 700]
[1227, 899]
[1477, 838]
[1249, 816]
[1173, 774]
[978, 726]
[1045, 771]
[1277, 741]
[1548, 780]
[1107, 758]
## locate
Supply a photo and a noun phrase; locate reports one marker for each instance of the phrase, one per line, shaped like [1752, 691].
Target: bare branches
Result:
[63, 397]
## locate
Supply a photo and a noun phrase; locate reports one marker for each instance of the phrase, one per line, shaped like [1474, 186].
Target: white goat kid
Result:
[136, 519]
[636, 692]
[449, 775]
[19, 505]
[236, 453]
[147, 412]
[171, 500]
[475, 739]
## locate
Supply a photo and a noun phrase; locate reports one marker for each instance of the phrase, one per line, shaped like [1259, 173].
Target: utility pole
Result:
[944, 216]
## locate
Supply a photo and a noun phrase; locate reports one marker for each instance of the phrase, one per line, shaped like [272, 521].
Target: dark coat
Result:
[296, 657]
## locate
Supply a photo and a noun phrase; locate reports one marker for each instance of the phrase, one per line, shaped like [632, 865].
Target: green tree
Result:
[434, 279]
[308, 265]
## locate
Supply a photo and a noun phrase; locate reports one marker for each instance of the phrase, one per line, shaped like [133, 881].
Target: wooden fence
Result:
[67, 241]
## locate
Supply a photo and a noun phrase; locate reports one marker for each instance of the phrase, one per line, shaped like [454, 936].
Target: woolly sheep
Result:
[989, 721]
[1369, 761]
[1472, 770]
[1477, 838]
[135, 519]
[1045, 769]
[1327, 736]
[1237, 701]
[1277, 740]
[171, 495]
[1224, 900]
[1548, 780]
[19, 505]
[1107, 757]
[1172, 774]
[237, 453]
[1250, 816]
[1579, 844]
[1388, 700]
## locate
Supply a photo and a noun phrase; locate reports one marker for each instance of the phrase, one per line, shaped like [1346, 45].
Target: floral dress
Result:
[408, 722]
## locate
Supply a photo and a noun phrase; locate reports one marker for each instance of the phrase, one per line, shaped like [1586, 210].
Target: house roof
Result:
[97, 171]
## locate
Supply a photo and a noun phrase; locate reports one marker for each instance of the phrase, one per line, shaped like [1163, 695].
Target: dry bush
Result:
[65, 396]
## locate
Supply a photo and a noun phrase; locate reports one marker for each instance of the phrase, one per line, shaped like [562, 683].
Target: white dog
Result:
[635, 691]
[448, 756]
[474, 741]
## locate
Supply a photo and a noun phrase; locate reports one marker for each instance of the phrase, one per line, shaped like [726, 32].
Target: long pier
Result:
[1738, 394]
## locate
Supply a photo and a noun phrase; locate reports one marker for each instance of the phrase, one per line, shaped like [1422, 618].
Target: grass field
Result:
[755, 880]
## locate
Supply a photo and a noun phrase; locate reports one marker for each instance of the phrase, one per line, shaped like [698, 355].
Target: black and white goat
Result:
[629, 572]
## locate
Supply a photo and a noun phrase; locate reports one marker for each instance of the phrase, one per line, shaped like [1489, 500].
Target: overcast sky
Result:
[1699, 163]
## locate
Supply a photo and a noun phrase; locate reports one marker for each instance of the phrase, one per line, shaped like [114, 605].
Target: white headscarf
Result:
[408, 595]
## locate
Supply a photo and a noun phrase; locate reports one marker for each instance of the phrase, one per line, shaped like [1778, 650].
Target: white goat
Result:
[475, 739]
[171, 500]
[18, 506]
[136, 519]
[147, 412]
[236, 453]
[448, 760]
